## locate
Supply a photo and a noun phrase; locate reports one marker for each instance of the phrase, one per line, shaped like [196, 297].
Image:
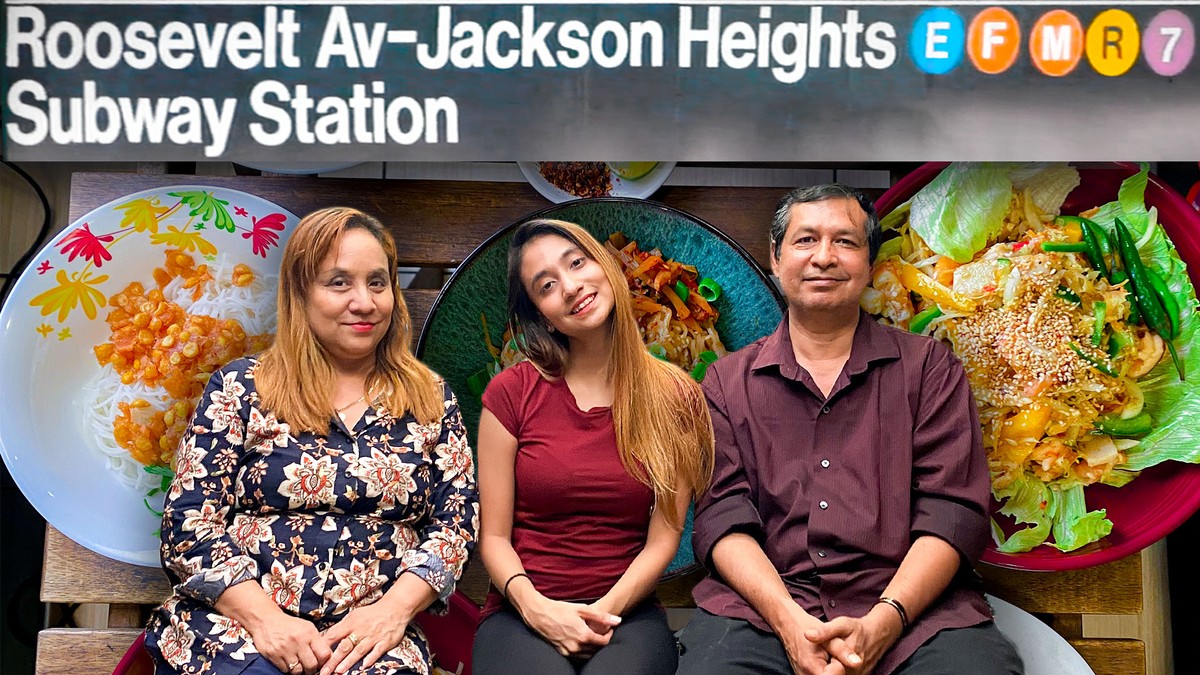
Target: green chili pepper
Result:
[1119, 277]
[921, 321]
[477, 382]
[1148, 301]
[1170, 304]
[681, 291]
[1064, 246]
[1092, 360]
[708, 289]
[1096, 239]
[1138, 425]
[1099, 312]
[1068, 295]
[658, 351]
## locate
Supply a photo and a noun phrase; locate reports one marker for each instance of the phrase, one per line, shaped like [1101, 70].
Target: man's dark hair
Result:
[821, 193]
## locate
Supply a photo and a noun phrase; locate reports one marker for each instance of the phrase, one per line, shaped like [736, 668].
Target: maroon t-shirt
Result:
[579, 518]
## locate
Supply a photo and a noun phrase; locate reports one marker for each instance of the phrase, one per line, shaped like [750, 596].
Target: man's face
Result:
[823, 261]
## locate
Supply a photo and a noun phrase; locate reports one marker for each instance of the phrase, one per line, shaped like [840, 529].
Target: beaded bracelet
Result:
[895, 604]
[510, 580]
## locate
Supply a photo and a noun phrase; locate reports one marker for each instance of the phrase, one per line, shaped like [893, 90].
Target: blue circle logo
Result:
[937, 41]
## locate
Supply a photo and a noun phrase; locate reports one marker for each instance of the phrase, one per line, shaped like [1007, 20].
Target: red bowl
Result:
[1164, 496]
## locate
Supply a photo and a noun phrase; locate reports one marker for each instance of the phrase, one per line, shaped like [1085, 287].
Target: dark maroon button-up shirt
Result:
[836, 490]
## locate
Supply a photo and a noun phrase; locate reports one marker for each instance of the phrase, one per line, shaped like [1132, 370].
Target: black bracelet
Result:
[510, 580]
[895, 604]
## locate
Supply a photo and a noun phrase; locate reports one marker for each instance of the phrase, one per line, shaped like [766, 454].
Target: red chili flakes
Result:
[582, 179]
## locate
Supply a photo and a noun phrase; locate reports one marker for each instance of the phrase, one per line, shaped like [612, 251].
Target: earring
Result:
[549, 328]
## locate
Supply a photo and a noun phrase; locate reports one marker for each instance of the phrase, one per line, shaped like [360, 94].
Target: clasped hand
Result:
[845, 645]
[573, 628]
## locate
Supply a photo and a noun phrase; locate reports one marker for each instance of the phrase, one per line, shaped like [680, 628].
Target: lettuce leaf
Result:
[962, 209]
[1027, 500]
[1074, 525]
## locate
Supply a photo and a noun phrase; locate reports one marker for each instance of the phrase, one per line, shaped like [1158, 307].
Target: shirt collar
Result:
[872, 342]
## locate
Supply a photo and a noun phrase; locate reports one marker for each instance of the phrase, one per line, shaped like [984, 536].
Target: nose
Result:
[823, 254]
[570, 284]
[360, 299]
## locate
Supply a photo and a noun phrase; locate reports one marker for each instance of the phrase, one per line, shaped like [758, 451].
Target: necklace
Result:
[341, 412]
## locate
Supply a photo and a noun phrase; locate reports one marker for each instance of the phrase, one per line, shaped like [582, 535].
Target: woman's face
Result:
[350, 302]
[567, 287]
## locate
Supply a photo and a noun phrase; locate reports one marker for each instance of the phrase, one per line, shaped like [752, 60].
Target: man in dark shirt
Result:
[850, 494]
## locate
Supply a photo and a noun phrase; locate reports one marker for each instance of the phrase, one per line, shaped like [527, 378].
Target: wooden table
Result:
[437, 223]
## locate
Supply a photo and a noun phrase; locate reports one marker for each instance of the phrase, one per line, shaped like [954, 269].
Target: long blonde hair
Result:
[664, 434]
[294, 375]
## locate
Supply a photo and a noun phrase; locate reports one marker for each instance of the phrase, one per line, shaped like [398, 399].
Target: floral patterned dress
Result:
[322, 523]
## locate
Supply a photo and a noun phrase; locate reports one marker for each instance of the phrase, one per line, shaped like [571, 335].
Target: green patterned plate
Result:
[452, 342]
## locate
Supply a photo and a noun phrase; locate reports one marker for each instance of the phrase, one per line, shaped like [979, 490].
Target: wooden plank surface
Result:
[1113, 657]
[72, 573]
[81, 651]
[1114, 588]
[438, 223]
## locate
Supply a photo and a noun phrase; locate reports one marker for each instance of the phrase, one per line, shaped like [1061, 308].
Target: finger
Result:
[599, 616]
[834, 667]
[341, 651]
[320, 649]
[308, 660]
[839, 627]
[841, 651]
[376, 653]
[357, 654]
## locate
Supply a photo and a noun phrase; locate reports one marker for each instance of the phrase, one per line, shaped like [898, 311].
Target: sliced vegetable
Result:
[1119, 277]
[477, 382]
[1099, 312]
[701, 368]
[658, 351]
[1068, 295]
[1092, 360]
[1064, 247]
[681, 290]
[709, 290]
[1138, 425]
[928, 288]
[921, 321]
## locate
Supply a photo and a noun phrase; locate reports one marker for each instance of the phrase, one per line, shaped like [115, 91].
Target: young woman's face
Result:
[567, 287]
[350, 302]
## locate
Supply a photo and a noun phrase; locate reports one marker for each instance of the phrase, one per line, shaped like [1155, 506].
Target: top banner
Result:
[363, 80]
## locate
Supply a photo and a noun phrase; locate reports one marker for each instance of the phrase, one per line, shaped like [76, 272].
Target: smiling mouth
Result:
[583, 304]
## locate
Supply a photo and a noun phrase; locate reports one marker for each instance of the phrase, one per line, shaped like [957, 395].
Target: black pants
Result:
[641, 644]
[715, 645]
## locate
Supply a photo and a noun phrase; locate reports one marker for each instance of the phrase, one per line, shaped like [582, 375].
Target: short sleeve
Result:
[505, 394]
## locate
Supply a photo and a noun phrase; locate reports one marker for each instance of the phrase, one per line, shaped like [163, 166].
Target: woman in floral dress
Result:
[325, 493]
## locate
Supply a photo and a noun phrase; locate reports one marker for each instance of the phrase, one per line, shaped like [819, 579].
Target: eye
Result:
[337, 282]
[545, 287]
[578, 262]
[379, 283]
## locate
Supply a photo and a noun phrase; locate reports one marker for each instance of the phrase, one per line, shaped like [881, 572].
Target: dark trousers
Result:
[715, 645]
[641, 644]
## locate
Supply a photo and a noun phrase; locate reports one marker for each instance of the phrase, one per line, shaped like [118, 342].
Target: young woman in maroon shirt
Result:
[589, 454]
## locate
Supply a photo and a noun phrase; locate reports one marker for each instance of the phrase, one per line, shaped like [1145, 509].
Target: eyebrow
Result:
[342, 271]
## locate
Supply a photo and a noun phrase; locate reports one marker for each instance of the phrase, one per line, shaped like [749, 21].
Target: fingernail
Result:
[855, 658]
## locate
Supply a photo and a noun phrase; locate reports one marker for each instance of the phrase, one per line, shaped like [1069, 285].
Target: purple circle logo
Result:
[1169, 42]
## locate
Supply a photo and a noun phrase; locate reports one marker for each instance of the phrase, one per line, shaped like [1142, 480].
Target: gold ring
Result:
[292, 666]
[354, 639]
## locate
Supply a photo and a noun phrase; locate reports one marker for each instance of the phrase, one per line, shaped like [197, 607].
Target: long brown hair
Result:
[664, 434]
[294, 376]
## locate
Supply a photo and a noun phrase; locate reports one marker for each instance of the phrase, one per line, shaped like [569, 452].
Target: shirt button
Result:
[824, 464]
[820, 554]
[833, 603]
[823, 504]
[825, 410]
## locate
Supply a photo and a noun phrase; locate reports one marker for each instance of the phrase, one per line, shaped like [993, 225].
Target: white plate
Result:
[46, 359]
[1044, 651]
[638, 189]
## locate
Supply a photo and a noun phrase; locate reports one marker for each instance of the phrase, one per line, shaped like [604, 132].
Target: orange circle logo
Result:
[994, 40]
[1056, 43]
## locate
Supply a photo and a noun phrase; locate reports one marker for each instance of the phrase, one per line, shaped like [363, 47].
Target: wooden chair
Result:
[438, 223]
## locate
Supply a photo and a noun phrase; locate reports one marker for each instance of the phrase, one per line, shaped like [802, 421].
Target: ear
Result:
[774, 255]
